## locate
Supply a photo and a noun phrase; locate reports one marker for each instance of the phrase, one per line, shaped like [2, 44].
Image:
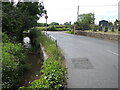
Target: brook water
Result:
[34, 60]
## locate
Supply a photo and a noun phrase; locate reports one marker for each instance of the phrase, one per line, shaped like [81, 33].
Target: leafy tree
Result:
[11, 23]
[21, 17]
[67, 23]
[54, 23]
[41, 24]
[117, 23]
[110, 23]
[85, 20]
[16, 19]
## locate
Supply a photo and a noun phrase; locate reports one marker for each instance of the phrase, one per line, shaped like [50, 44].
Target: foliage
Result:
[109, 31]
[41, 28]
[13, 64]
[67, 23]
[53, 73]
[16, 19]
[41, 24]
[5, 38]
[70, 32]
[11, 23]
[53, 23]
[50, 47]
[85, 20]
[34, 35]
[54, 28]
[52, 77]
[117, 23]
[110, 23]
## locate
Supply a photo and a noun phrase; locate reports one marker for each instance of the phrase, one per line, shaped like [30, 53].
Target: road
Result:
[91, 62]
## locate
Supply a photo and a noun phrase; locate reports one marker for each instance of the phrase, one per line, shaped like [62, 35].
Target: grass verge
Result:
[70, 32]
[53, 72]
[109, 31]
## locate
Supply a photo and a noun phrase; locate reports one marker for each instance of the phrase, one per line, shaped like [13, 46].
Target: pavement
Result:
[90, 62]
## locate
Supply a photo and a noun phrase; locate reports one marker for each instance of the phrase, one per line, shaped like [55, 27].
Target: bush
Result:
[41, 28]
[54, 28]
[52, 75]
[5, 38]
[13, 63]
[34, 35]
[70, 32]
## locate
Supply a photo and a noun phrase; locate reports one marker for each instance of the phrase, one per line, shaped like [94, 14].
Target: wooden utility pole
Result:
[119, 10]
[78, 13]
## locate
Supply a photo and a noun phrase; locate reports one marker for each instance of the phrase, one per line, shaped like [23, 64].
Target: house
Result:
[103, 23]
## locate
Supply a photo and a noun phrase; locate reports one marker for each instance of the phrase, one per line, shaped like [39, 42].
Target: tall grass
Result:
[53, 72]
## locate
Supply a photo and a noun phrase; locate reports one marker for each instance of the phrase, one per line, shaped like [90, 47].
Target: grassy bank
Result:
[54, 28]
[53, 72]
[14, 63]
[70, 32]
[109, 31]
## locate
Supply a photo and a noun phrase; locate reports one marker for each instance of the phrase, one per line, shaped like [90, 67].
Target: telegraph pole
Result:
[78, 13]
[93, 22]
[119, 10]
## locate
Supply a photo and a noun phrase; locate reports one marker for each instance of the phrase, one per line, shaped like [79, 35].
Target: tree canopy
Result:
[54, 23]
[85, 20]
[23, 16]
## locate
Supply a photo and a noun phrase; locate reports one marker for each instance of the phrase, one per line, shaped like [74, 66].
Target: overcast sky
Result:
[62, 11]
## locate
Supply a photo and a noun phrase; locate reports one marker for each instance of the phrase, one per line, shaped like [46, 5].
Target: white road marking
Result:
[113, 52]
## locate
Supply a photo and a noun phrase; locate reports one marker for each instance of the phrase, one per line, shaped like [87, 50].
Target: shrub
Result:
[13, 64]
[34, 35]
[54, 28]
[5, 38]
[52, 75]
[41, 28]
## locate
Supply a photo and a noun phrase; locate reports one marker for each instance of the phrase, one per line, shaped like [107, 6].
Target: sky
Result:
[62, 11]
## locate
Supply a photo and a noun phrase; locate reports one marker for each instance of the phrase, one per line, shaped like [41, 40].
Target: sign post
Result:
[46, 17]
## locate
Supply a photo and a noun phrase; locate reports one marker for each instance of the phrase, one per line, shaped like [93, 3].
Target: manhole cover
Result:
[82, 63]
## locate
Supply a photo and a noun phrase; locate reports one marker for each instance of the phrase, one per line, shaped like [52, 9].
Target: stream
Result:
[34, 60]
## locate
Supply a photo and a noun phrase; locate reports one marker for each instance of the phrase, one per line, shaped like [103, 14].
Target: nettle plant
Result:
[53, 75]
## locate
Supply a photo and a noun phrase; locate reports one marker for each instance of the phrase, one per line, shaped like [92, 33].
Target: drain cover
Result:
[81, 63]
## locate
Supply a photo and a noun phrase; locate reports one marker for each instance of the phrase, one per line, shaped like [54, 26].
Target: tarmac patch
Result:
[81, 63]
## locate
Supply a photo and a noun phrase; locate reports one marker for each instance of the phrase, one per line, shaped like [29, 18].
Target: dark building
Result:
[103, 23]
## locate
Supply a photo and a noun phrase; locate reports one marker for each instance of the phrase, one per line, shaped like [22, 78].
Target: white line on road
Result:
[113, 52]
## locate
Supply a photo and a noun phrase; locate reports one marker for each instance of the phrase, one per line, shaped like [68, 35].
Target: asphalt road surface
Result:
[91, 62]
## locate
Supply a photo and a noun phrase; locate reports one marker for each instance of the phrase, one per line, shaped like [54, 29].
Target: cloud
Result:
[66, 10]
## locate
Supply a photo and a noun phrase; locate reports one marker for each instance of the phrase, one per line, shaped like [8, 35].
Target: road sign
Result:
[46, 17]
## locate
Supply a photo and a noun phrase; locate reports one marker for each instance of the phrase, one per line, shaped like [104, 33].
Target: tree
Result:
[21, 17]
[117, 23]
[41, 24]
[110, 23]
[67, 23]
[54, 23]
[85, 20]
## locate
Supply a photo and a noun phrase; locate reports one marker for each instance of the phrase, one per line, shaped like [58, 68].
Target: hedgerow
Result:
[13, 64]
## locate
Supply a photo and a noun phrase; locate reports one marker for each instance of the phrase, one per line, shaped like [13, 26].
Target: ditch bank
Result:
[35, 59]
[52, 73]
[108, 36]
